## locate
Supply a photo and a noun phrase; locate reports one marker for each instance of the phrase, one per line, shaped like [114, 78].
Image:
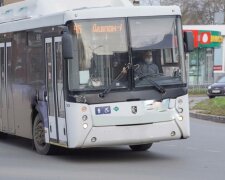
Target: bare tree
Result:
[197, 11]
[210, 7]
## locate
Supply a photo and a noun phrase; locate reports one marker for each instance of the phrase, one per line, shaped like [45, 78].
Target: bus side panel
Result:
[22, 110]
[28, 69]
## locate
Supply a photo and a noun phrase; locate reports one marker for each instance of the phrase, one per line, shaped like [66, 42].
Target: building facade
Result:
[207, 62]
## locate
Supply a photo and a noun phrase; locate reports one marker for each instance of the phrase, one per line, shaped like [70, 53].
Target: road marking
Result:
[192, 148]
[213, 151]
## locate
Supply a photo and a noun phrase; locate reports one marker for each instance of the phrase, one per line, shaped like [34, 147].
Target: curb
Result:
[207, 117]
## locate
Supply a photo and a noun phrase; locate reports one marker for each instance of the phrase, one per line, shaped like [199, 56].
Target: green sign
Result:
[209, 39]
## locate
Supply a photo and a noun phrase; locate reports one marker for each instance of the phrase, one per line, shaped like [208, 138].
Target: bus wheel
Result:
[141, 147]
[3, 135]
[39, 137]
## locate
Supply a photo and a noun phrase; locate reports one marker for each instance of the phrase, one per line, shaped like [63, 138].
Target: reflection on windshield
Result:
[152, 33]
[102, 53]
[155, 52]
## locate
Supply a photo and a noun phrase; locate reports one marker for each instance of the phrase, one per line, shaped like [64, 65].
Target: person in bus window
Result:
[147, 66]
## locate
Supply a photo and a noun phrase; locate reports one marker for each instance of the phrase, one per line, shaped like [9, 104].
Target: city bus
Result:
[71, 74]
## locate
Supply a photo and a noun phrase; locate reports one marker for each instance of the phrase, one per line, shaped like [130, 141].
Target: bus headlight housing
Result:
[84, 117]
[180, 110]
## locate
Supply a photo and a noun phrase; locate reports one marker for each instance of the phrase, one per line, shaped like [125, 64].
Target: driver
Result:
[148, 67]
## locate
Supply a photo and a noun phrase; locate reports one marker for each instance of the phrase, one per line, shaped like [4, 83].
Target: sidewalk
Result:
[196, 99]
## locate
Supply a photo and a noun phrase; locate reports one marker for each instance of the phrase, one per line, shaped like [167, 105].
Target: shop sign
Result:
[217, 68]
[210, 39]
[207, 39]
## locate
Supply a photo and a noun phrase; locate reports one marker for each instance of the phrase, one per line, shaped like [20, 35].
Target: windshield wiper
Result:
[120, 76]
[141, 76]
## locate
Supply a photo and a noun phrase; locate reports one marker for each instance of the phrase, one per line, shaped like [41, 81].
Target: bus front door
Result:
[7, 121]
[55, 95]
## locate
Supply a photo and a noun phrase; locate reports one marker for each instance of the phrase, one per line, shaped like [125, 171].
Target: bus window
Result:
[101, 48]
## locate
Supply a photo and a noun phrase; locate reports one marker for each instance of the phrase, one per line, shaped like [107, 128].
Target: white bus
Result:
[72, 74]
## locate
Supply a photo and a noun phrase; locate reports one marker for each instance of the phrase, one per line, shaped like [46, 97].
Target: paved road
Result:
[202, 157]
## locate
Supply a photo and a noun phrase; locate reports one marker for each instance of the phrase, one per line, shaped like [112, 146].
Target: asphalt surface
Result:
[201, 157]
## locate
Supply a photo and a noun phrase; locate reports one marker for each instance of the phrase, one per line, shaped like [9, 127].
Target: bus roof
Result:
[60, 18]
[34, 8]
[113, 12]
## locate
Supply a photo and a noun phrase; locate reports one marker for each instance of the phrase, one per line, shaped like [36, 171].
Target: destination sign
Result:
[99, 28]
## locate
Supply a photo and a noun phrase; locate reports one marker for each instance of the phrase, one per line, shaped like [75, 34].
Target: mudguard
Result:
[42, 108]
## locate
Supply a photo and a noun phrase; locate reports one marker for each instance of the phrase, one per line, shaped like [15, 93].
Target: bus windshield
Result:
[101, 53]
[156, 50]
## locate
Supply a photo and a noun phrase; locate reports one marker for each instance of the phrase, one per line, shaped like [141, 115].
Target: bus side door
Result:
[7, 122]
[55, 95]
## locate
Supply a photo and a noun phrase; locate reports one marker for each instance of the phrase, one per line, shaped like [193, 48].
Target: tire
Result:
[3, 135]
[210, 97]
[141, 147]
[39, 137]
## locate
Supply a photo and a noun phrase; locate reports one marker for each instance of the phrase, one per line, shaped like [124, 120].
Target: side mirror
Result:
[188, 41]
[67, 45]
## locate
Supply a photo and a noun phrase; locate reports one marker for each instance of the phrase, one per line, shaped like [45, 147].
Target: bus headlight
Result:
[179, 106]
[180, 118]
[84, 109]
[85, 126]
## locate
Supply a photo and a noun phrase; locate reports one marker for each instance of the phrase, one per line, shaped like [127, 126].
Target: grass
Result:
[214, 106]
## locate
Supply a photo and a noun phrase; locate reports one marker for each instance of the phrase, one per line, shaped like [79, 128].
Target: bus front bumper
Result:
[131, 135]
